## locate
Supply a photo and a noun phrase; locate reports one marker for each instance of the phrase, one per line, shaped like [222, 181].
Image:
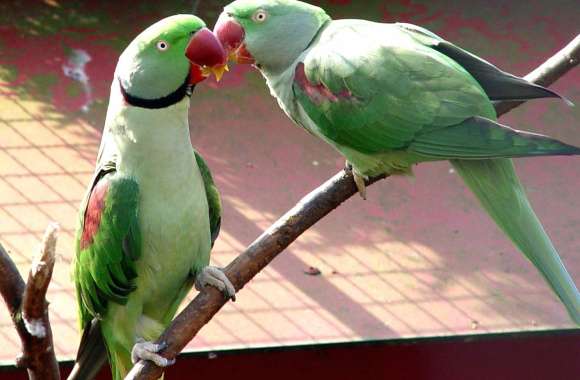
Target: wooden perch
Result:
[29, 309]
[289, 227]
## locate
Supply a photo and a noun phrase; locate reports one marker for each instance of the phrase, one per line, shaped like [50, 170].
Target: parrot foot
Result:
[143, 350]
[359, 180]
[215, 277]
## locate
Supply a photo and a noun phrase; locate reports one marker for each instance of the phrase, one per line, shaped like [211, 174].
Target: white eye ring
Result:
[162, 45]
[260, 16]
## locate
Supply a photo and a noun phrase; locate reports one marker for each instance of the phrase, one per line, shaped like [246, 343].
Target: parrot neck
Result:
[280, 86]
[147, 142]
[176, 96]
[287, 57]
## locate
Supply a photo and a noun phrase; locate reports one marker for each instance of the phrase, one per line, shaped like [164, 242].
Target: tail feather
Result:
[499, 190]
[480, 138]
[92, 353]
[497, 84]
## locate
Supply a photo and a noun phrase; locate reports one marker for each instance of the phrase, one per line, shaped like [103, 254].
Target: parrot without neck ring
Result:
[152, 211]
[390, 96]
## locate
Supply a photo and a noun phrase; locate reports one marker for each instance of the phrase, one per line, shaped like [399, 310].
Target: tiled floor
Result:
[417, 258]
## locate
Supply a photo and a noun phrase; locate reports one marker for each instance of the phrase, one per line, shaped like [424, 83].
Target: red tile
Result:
[9, 194]
[12, 110]
[280, 327]
[69, 159]
[68, 187]
[244, 329]
[30, 216]
[9, 166]
[35, 133]
[35, 161]
[8, 224]
[9, 138]
[62, 213]
[33, 189]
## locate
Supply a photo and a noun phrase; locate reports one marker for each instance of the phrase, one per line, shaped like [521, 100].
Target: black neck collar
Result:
[175, 97]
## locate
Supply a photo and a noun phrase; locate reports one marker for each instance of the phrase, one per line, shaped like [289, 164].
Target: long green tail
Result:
[499, 190]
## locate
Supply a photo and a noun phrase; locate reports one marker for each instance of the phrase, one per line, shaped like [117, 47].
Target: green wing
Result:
[376, 88]
[371, 87]
[108, 243]
[497, 84]
[213, 198]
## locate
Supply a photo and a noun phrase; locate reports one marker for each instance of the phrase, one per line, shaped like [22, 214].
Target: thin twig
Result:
[29, 309]
[289, 227]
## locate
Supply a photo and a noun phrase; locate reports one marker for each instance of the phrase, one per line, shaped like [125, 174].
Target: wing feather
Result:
[213, 197]
[497, 84]
[108, 243]
[375, 88]
[384, 87]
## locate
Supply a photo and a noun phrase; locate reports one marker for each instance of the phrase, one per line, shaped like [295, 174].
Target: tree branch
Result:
[11, 284]
[29, 309]
[289, 227]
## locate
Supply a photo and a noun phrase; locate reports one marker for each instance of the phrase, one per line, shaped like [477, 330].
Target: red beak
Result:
[231, 35]
[205, 51]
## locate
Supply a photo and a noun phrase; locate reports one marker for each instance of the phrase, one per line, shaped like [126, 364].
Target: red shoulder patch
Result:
[93, 213]
[318, 92]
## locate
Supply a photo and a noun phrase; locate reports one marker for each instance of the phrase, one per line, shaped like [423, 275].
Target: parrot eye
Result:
[260, 16]
[162, 45]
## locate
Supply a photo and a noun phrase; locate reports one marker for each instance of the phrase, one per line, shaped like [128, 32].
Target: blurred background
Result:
[418, 258]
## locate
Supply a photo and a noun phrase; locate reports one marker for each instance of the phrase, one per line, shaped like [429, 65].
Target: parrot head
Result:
[268, 33]
[155, 64]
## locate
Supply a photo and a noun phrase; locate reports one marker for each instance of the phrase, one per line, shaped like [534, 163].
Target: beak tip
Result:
[217, 71]
[229, 32]
[204, 49]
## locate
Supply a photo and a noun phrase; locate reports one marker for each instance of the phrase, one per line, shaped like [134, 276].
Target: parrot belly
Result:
[174, 225]
[176, 239]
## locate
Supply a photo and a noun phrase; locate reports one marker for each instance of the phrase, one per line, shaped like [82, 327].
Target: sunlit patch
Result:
[259, 217]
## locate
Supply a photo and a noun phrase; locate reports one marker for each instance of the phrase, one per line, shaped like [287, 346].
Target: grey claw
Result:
[143, 350]
[215, 277]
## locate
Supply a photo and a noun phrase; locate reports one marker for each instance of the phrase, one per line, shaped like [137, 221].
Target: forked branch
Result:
[29, 309]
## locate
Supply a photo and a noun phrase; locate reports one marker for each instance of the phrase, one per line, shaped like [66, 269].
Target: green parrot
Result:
[389, 96]
[152, 211]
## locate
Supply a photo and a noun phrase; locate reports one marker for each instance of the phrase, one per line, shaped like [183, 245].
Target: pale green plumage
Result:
[160, 214]
[388, 96]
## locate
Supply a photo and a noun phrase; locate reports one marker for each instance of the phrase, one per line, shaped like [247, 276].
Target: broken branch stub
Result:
[29, 309]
